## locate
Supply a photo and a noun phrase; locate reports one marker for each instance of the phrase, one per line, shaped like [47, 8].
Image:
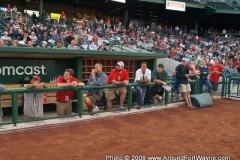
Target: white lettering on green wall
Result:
[20, 70]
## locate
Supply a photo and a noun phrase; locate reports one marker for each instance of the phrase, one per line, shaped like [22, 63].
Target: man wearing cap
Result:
[182, 74]
[118, 76]
[6, 38]
[33, 102]
[64, 98]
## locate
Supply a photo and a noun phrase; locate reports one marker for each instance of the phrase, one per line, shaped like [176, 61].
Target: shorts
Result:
[185, 88]
[110, 93]
[154, 92]
[94, 98]
[214, 85]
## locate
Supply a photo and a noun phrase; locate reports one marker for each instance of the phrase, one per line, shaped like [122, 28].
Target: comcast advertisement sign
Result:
[12, 70]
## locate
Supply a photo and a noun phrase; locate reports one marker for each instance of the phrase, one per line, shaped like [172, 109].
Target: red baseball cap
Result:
[36, 78]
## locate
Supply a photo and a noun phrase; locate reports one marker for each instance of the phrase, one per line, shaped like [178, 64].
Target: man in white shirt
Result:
[143, 75]
[93, 46]
[6, 38]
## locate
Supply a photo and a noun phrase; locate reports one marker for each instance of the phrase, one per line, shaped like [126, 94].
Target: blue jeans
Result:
[205, 82]
[141, 90]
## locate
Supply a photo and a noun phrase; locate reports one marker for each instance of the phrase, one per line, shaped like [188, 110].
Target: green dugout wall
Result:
[17, 63]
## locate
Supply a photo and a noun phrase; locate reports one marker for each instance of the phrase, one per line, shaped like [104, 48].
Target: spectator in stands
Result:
[16, 26]
[44, 44]
[72, 45]
[69, 38]
[84, 46]
[30, 44]
[55, 36]
[15, 43]
[93, 46]
[2, 43]
[63, 17]
[34, 17]
[118, 76]
[95, 38]
[110, 48]
[6, 38]
[182, 73]
[33, 37]
[203, 80]
[215, 71]
[97, 78]
[64, 98]
[160, 77]
[45, 37]
[2, 88]
[59, 45]
[143, 75]
[102, 47]
[33, 102]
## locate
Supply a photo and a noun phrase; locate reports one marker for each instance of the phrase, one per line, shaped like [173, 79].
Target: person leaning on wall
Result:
[2, 88]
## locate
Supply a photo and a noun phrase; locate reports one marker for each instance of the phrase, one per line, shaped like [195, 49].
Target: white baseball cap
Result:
[120, 63]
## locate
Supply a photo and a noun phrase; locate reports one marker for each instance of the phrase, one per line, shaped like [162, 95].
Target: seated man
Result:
[97, 78]
[33, 102]
[118, 76]
[143, 75]
[159, 76]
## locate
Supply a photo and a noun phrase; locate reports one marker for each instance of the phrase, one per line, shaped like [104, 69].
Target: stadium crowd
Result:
[24, 30]
[195, 51]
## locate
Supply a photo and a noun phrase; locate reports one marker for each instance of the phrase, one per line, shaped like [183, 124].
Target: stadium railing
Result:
[79, 98]
[232, 81]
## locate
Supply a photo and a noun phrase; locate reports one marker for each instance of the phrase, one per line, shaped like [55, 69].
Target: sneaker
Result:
[95, 109]
[121, 108]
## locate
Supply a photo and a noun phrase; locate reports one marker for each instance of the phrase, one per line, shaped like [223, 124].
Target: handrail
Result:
[223, 84]
[79, 97]
[229, 83]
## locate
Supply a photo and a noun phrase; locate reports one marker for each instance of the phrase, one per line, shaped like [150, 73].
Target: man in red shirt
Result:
[118, 76]
[215, 72]
[64, 98]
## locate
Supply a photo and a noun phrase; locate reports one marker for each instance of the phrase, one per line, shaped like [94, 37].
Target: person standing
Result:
[2, 88]
[160, 77]
[215, 71]
[118, 76]
[143, 75]
[203, 79]
[64, 98]
[33, 102]
[182, 74]
[97, 78]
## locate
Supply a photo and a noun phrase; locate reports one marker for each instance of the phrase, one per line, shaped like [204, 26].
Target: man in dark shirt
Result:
[69, 38]
[203, 80]
[182, 73]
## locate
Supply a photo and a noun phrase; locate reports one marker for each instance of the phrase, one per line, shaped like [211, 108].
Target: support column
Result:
[196, 25]
[126, 17]
[40, 9]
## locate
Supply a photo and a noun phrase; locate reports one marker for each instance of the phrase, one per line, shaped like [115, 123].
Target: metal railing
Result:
[79, 97]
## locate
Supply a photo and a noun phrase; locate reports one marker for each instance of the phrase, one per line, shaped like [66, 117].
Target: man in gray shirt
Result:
[97, 78]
